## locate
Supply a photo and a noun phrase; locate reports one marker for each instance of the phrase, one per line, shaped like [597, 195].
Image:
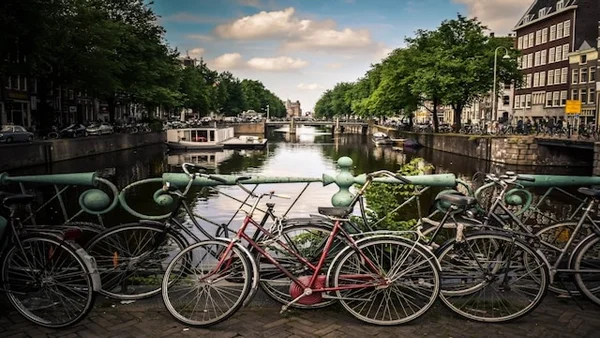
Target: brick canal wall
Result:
[249, 128]
[522, 151]
[41, 153]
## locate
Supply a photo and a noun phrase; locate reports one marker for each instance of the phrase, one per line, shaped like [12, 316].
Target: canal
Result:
[310, 153]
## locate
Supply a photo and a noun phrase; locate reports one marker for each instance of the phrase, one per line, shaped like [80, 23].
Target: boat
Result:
[245, 142]
[381, 139]
[198, 138]
[410, 143]
[206, 158]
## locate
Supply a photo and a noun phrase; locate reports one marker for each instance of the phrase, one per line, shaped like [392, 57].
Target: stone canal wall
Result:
[508, 150]
[249, 128]
[41, 153]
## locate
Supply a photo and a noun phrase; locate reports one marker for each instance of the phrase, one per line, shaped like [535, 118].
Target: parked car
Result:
[100, 129]
[74, 130]
[10, 134]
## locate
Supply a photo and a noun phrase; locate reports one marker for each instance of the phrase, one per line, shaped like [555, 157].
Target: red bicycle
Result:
[380, 279]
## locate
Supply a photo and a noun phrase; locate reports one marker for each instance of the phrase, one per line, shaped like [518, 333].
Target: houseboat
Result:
[206, 158]
[198, 138]
[245, 142]
[381, 139]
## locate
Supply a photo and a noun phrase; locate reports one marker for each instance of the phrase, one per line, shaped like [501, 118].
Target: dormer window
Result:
[542, 12]
[560, 5]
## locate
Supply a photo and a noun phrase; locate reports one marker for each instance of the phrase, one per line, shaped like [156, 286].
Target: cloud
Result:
[312, 86]
[296, 33]
[196, 53]
[499, 16]
[334, 65]
[227, 61]
[281, 63]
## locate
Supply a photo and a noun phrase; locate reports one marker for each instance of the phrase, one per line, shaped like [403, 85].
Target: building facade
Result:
[293, 109]
[583, 65]
[547, 34]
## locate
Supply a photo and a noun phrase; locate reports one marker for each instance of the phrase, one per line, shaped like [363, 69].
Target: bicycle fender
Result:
[251, 260]
[90, 263]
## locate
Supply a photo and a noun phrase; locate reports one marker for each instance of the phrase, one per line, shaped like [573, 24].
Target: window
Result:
[520, 43]
[522, 101]
[551, 55]
[25, 83]
[543, 57]
[541, 12]
[537, 59]
[35, 86]
[544, 35]
[531, 37]
[18, 86]
[556, 99]
[520, 62]
[584, 95]
[564, 75]
[592, 97]
[536, 79]
[550, 77]
[563, 98]
[575, 94]
[549, 99]
[583, 60]
[529, 60]
[528, 101]
[565, 51]
[552, 32]
[593, 74]
[558, 54]
[567, 28]
[529, 80]
[559, 31]
[584, 75]
[560, 5]
[542, 81]
[505, 100]
[575, 76]
[538, 37]
[557, 76]
[525, 41]
[517, 101]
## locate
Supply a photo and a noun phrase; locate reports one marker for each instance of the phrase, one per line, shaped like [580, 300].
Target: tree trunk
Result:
[111, 109]
[436, 121]
[457, 117]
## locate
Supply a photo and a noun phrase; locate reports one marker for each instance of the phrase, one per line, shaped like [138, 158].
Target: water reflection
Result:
[309, 153]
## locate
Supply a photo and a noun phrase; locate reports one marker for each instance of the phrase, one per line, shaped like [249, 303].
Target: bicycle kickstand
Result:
[573, 297]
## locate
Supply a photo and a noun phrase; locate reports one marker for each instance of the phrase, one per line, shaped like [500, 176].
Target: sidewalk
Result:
[554, 318]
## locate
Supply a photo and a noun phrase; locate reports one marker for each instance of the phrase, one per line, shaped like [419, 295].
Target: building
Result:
[293, 109]
[17, 93]
[583, 64]
[548, 32]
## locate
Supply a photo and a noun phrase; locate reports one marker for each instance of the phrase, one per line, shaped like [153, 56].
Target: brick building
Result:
[547, 34]
[293, 108]
[583, 64]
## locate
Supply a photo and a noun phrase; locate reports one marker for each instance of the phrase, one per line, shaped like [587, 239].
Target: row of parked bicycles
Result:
[479, 259]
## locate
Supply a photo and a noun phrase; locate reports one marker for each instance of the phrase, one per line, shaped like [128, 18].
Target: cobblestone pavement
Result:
[554, 318]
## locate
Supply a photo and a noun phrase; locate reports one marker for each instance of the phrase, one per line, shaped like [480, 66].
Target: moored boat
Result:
[198, 138]
[381, 139]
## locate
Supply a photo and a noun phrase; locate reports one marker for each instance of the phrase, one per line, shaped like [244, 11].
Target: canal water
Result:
[309, 153]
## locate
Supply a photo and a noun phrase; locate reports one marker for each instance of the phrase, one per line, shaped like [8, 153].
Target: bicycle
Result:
[371, 284]
[47, 278]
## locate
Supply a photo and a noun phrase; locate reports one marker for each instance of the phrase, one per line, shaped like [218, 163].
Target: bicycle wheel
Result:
[131, 261]
[48, 282]
[203, 288]
[88, 230]
[554, 238]
[491, 277]
[586, 259]
[308, 241]
[412, 276]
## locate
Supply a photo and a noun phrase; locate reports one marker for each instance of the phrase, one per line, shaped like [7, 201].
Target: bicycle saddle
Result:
[335, 212]
[9, 199]
[593, 193]
[458, 200]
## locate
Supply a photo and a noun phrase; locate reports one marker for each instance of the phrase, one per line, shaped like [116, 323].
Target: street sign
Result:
[573, 107]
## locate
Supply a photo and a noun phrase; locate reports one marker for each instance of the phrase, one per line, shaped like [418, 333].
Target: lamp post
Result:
[494, 98]
[267, 113]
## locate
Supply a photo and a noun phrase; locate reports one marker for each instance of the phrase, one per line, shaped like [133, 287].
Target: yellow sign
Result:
[573, 107]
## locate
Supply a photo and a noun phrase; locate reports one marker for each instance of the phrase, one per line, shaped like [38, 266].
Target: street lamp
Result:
[494, 98]
[267, 113]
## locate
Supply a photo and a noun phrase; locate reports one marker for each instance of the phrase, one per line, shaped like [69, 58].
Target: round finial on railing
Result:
[344, 181]
[94, 201]
[163, 199]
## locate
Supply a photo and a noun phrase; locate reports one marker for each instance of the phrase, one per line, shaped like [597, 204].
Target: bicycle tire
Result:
[590, 291]
[96, 247]
[66, 250]
[172, 282]
[465, 309]
[420, 258]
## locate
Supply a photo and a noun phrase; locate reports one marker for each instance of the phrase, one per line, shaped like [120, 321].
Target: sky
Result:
[300, 48]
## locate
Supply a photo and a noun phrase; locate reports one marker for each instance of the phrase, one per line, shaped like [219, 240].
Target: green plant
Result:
[383, 198]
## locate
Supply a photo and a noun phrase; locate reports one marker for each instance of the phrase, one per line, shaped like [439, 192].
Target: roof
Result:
[548, 7]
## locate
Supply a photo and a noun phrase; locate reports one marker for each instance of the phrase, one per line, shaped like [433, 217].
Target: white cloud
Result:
[280, 63]
[499, 16]
[296, 33]
[196, 53]
[334, 65]
[227, 61]
[311, 86]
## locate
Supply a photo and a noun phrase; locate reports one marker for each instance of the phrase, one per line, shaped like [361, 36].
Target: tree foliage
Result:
[115, 51]
[452, 65]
